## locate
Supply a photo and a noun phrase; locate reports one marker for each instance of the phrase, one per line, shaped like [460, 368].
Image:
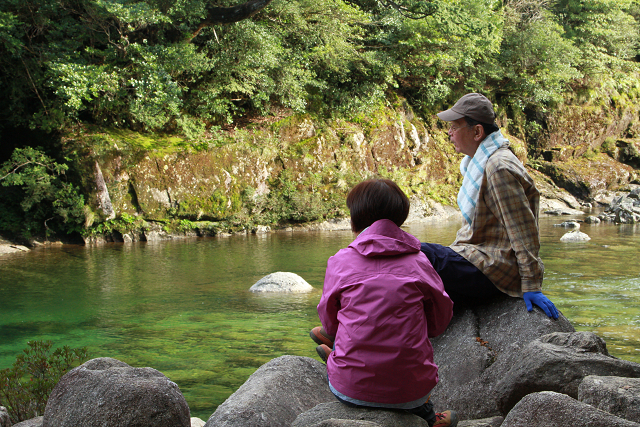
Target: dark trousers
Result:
[462, 280]
[424, 411]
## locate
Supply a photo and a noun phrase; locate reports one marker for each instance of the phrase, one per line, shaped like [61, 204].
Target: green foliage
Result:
[148, 67]
[37, 199]
[604, 30]
[26, 386]
[609, 146]
[125, 223]
[290, 201]
[142, 65]
[537, 61]
[452, 50]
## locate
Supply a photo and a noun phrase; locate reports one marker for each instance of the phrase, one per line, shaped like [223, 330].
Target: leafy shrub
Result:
[25, 387]
[37, 198]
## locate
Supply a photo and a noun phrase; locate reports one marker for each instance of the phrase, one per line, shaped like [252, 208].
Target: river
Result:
[183, 307]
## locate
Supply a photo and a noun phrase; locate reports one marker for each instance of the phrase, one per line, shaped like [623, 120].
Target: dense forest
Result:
[194, 69]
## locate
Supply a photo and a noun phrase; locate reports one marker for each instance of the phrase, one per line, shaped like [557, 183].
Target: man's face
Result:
[464, 137]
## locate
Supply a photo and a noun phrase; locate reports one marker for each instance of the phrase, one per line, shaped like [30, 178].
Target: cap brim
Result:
[449, 115]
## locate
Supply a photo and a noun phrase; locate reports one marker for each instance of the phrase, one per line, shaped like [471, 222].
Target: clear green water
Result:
[184, 307]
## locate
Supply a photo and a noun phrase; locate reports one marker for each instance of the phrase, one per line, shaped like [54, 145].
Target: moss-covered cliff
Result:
[298, 168]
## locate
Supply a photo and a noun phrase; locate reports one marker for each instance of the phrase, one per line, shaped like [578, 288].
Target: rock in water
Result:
[282, 282]
[575, 236]
[109, 393]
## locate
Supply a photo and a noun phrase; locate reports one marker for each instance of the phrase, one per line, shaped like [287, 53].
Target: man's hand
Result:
[541, 301]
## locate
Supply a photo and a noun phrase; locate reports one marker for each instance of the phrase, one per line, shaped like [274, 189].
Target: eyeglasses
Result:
[453, 129]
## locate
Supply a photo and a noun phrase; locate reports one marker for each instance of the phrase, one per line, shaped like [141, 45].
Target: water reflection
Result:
[184, 307]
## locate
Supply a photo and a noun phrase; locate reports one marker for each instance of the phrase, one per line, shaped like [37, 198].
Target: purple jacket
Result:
[382, 300]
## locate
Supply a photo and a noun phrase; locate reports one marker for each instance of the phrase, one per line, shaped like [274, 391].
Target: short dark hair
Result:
[489, 128]
[376, 199]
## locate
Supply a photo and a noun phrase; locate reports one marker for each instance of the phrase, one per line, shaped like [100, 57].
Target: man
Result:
[496, 251]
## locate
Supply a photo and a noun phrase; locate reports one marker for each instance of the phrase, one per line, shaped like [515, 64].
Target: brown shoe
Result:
[319, 335]
[446, 419]
[323, 351]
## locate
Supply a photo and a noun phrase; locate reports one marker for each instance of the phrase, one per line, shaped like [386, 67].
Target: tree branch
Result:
[228, 15]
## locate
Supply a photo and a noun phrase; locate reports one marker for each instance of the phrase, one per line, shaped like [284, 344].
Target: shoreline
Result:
[421, 212]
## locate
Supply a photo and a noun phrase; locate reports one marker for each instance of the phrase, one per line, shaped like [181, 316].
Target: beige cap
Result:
[472, 105]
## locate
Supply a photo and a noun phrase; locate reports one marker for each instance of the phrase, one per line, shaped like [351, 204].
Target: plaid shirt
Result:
[503, 239]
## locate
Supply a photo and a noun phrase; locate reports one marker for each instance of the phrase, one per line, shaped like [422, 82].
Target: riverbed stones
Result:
[626, 208]
[551, 409]
[282, 282]
[338, 411]
[275, 394]
[109, 393]
[617, 395]
[558, 362]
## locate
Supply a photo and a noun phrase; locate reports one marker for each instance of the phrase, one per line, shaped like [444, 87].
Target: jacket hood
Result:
[385, 238]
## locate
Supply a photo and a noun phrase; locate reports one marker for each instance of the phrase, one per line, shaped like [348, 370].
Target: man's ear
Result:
[478, 132]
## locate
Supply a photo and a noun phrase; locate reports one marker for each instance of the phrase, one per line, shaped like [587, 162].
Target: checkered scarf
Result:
[472, 168]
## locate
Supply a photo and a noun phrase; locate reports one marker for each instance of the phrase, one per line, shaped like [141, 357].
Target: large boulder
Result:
[477, 349]
[33, 422]
[550, 409]
[337, 411]
[5, 421]
[558, 362]
[275, 394]
[345, 423]
[484, 422]
[281, 282]
[617, 395]
[110, 393]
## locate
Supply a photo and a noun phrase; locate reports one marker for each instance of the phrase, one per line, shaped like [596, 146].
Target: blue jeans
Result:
[462, 280]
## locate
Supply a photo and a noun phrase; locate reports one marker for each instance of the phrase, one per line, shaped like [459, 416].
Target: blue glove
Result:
[541, 301]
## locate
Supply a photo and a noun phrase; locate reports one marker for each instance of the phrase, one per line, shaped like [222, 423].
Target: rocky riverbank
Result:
[499, 365]
[621, 207]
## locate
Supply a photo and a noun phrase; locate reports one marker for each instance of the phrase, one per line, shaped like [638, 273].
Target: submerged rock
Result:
[568, 224]
[281, 282]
